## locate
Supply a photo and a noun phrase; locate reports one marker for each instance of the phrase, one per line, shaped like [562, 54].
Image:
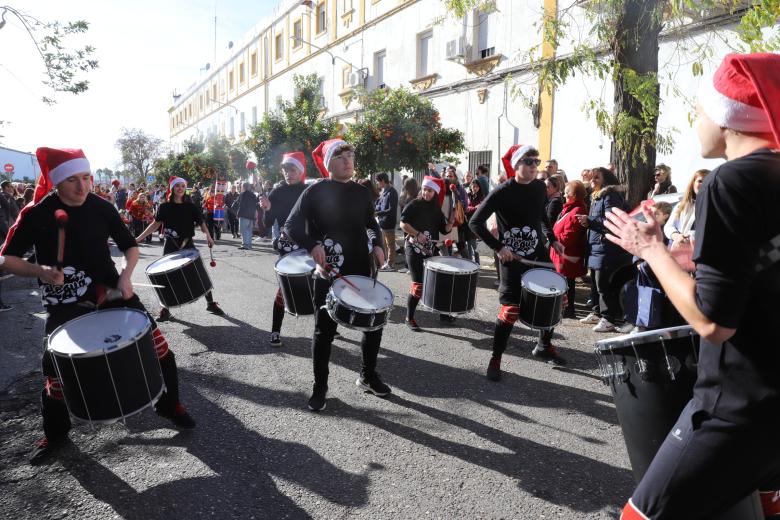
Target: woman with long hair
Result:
[680, 226]
[605, 258]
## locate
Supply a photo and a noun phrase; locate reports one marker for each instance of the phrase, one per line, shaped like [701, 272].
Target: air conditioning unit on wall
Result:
[456, 48]
[357, 78]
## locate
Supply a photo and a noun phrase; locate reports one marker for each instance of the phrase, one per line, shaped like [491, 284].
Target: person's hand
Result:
[505, 255]
[318, 254]
[210, 241]
[379, 255]
[125, 286]
[638, 238]
[421, 239]
[679, 238]
[558, 247]
[583, 220]
[51, 275]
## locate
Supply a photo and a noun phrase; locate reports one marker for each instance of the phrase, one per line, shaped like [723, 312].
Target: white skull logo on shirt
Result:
[522, 241]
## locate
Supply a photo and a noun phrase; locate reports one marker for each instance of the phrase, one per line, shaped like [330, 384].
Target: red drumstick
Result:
[336, 275]
[62, 220]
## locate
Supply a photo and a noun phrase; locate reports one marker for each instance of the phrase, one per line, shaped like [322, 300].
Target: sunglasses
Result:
[531, 161]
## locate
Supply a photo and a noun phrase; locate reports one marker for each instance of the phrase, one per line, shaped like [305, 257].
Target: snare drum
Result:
[364, 309]
[450, 284]
[182, 275]
[107, 364]
[294, 271]
[219, 214]
[541, 298]
[651, 375]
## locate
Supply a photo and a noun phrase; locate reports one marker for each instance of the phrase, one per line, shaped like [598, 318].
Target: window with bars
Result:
[477, 158]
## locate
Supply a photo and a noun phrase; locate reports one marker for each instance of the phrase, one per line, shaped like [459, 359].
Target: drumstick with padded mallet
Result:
[212, 263]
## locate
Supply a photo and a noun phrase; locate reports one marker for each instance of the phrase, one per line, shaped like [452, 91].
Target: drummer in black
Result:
[523, 229]
[422, 220]
[724, 444]
[87, 279]
[330, 221]
[277, 208]
[178, 216]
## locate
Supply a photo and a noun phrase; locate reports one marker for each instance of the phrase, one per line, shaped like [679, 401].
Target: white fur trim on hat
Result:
[730, 113]
[331, 150]
[177, 180]
[519, 153]
[295, 162]
[428, 183]
[68, 169]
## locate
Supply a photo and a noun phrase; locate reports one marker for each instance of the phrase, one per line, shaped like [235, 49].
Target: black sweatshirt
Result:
[522, 220]
[282, 198]
[340, 217]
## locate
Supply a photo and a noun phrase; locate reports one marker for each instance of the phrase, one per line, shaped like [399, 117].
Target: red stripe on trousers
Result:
[53, 388]
[416, 290]
[508, 314]
[160, 344]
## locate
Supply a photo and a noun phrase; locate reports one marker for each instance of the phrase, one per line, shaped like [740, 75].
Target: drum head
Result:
[544, 282]
[367, 297]
[297, 262]
[641, 338]
[172, 261]
[451, 264]
[91, 334]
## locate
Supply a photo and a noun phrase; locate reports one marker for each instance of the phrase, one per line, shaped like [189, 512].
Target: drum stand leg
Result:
[113, 383]
[81, 390]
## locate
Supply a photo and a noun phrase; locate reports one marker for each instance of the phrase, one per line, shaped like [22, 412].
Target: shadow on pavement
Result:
[552, 474]
[244, 462]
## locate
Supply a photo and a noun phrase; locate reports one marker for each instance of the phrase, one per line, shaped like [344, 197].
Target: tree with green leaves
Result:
[203, 161]
[296, 125]
[621, 46]
[138, 150]
[400, 130]
[64, 66]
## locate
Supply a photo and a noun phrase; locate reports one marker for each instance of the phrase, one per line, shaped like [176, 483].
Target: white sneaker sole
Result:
[367, 388]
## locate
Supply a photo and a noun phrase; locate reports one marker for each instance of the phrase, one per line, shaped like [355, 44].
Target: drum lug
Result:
[373, 318]
[352, 317]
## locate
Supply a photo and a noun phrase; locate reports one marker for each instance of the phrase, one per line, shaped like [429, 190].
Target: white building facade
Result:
[466, 67]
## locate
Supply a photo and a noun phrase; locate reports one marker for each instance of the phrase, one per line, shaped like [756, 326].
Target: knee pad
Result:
[160, 343]
[53, 387]
[508, 314]
[770, 502]
[279, 301]
[416, 290]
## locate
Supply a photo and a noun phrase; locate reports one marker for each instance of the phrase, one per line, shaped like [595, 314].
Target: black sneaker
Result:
[213, 307]
[569, 313]
[179, 417]
[412, 324]
[164, 315]
[373, 384]
[549, 354]
[447, 318]
[317, 399]
[275, 340]
[4, 307]
[494, 369]
[44, 449]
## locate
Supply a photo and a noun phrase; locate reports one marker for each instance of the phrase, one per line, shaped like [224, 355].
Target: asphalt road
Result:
[448, 443]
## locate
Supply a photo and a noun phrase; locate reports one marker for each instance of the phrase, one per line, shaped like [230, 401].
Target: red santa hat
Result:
[324, 153]
[298, 160]
[437, 185]
[56, 166]
[744, 94]
[513, 156]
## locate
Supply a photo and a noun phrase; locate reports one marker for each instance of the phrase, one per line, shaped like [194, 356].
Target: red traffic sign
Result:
[8, 167]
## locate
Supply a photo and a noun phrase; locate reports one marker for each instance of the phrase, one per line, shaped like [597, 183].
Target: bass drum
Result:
[295, 273]
[450, 284]
[182, 276]
[107, 364]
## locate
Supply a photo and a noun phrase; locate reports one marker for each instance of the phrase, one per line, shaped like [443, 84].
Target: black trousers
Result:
[609, 294]
[56, 421]
[707, 464]
[325, 329]
[232, 223]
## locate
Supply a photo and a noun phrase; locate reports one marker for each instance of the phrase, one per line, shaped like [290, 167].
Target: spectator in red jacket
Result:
[574, 238]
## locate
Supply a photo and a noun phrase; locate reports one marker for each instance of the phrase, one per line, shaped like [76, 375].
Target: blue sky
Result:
[146, 49]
